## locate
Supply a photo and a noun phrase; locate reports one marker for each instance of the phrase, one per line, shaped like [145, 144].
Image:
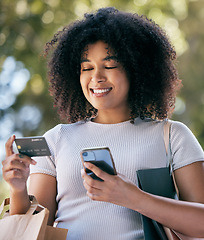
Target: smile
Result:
[101, 90]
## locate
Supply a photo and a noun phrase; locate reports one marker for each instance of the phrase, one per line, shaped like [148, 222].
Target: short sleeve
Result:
[185, 147]
[47, 165]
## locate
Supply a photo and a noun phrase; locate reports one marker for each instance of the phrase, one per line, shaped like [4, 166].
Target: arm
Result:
[44, 188]
[190, 182]
[15, 172]
[16, 169]
[186, 216]
[182, 216]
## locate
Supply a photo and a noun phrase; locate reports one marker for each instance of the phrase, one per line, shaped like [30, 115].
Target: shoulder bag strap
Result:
[167, 142]
[167, 127]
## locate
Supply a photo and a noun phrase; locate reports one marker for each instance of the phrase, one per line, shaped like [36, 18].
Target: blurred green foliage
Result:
[26, 25]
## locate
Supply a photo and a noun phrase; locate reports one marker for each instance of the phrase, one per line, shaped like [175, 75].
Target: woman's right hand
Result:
[16, 167]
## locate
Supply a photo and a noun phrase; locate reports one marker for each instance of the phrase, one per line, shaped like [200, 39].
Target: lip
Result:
[100, 92]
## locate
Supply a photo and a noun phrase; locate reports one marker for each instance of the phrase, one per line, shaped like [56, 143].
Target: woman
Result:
[112, 76]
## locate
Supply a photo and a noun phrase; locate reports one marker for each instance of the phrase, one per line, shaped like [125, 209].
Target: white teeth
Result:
[101, 90]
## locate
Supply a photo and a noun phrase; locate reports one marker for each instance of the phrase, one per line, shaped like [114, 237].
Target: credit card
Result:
[33, 146]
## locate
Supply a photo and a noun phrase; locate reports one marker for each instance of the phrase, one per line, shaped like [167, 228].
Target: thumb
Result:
[9, 145]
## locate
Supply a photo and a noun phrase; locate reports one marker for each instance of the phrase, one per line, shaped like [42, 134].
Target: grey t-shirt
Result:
[133, 147]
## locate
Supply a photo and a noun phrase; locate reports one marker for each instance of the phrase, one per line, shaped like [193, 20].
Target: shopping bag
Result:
[28, 226]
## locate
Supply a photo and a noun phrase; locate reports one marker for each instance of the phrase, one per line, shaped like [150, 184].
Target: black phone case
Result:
[100, 157]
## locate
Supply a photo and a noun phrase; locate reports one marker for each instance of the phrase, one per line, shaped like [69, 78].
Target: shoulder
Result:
[176, 125]
[185, 147]
[180, 130]
[59, 130]
[180, 133]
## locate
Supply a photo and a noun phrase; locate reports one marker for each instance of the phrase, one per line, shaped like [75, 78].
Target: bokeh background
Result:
[26, 109]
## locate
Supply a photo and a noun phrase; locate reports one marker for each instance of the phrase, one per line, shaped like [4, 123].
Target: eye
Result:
[110, 67]
[86, 69]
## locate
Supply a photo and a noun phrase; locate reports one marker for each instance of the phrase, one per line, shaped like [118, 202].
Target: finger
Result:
[97, 171]
[18, 165]
[15, 173]
[9, 145]
[94, 197]
[17, 161]
[93, 193]
[26, 159]
[90, 181]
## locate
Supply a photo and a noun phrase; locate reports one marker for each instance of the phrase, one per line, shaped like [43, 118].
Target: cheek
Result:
[123, 83]
[84, 86]
[82, 82]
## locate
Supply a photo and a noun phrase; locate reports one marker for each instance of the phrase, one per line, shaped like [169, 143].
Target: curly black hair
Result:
[140, 45]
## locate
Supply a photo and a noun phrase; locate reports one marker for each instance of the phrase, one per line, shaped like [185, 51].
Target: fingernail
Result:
[86, 164]
[33, 161]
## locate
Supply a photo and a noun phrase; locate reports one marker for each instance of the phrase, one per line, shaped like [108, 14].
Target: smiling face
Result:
[104, 81]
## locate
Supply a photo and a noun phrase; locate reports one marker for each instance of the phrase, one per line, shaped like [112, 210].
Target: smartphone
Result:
[100, 157]
[32, 146]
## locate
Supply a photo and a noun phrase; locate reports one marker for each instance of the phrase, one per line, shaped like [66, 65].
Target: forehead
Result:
[97, 50]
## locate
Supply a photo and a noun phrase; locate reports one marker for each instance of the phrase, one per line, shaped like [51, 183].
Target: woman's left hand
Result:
[115, 189]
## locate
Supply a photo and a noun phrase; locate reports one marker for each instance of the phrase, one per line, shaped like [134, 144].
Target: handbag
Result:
[149, 180]
[29, 226]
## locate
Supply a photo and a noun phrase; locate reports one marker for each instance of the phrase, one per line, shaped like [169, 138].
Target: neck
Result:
[106, 117]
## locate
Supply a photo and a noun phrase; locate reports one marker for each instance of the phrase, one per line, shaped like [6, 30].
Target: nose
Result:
[98, 76]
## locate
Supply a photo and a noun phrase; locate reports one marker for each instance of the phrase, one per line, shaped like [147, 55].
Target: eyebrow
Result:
[108, 58]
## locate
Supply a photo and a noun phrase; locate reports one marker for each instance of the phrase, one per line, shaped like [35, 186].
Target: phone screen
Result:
[100, 157]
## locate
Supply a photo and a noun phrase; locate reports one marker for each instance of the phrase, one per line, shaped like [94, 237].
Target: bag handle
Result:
[31, 210]
[4, 203]
[167, 127]
[167, 143]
